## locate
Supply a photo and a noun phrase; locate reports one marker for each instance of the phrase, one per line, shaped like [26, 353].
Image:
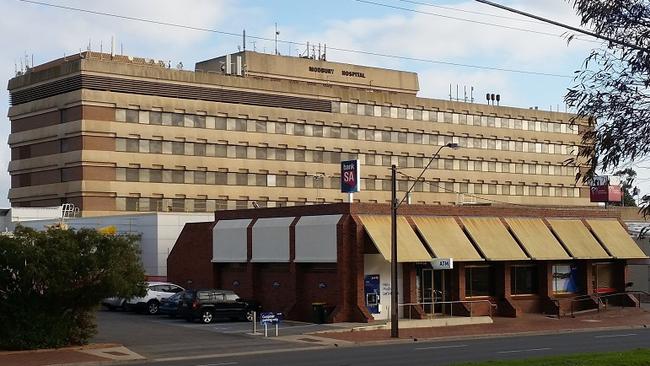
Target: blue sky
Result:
[49, 33]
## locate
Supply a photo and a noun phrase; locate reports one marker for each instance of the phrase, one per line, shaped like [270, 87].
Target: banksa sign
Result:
[350, 176]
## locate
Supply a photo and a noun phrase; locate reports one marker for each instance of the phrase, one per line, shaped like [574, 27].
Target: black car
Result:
[210, 304]
[170, 305]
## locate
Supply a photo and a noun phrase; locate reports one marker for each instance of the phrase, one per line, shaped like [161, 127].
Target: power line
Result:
[469, 20]
[565, 26]
[347, 50]
[470, 11]
[466, 194]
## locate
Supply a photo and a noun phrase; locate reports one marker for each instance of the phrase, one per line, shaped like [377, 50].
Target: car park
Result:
[156, 291]
[208, 305]
[170, 305]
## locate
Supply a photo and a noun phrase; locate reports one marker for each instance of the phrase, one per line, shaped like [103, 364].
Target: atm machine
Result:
[371, 289]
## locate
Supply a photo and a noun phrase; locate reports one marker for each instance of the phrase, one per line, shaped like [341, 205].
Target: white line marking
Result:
[441, 347]
[616, 335]
[525, 350]
[218, 364]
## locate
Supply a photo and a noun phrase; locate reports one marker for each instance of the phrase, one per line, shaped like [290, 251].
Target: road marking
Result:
[218, 364]
[525, 350]
[441, 347]
[616, 335]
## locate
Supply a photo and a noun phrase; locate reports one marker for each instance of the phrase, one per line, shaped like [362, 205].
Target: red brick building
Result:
[520, 259]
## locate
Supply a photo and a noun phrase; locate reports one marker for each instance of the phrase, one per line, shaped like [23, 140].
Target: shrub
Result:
[51, 283]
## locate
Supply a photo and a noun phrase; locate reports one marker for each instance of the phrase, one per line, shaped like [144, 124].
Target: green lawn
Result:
[630, 358]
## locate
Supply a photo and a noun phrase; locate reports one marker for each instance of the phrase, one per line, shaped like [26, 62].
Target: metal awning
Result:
[445, 238]
[229, 241]
[316, 239]
[536, 238]
[409, 246]
[493, 239]
[577, 239]
[615, 238]
[271, 240]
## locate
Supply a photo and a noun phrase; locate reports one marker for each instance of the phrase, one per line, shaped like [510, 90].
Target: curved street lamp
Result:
[394, 205]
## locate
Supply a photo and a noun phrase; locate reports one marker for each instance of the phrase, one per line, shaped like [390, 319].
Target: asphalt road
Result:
[436, 353]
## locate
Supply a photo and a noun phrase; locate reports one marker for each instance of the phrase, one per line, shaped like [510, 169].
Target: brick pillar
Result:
[292, 286]
[409, 288]
[350, 274]
[459, 279]
[507, 288]
[587, 277]
[249, 284]
[545, 283]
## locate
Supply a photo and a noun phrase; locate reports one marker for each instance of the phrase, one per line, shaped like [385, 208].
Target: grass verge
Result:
[637, 357]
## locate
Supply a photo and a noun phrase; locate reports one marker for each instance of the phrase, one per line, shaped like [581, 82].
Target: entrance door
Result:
[440, 285]
[427, 290]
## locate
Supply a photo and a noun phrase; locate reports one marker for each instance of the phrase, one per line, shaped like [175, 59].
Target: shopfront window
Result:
[479, 281]
[565, 279]
[603, 278]
[523, 280]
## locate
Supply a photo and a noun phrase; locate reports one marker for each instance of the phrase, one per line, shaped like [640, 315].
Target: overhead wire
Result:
[470, 11]
[471, 20]
[424, 180]
[332, 48]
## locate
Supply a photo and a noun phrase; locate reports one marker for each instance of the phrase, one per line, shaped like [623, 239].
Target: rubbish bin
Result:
[318, 312]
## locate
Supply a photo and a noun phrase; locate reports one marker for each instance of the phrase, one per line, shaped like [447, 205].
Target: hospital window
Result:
[220, 123]
[523, 280]
[479, 281]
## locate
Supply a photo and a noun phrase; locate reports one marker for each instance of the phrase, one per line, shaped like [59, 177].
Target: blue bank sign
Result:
[350, 176]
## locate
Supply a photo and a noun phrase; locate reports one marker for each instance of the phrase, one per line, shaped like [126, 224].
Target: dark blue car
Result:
[170, 305]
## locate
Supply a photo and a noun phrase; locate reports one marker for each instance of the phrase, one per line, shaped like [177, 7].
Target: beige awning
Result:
[615, 238]
[445, 238]
[577, 239]
[493, 239]
[409, 246]
[537, 239]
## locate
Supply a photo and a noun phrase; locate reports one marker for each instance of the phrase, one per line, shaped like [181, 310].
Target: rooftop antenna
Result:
[450, 92]
[325, 52]
[457, 92]
[254, 48]
[319, 55]
[89, 48]
[112, 46]
[465, 93]
[244, 39]
[277, 33]
[121, 49]
[471, 95]
[101, 49]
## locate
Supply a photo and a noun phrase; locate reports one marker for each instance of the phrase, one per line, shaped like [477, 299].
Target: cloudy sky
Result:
[462, 43]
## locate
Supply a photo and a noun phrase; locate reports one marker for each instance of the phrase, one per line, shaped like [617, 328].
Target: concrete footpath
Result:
[528, 324]
[91, 354]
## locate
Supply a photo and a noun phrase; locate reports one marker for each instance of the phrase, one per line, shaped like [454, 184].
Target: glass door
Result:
[440, 285]
[427, 290]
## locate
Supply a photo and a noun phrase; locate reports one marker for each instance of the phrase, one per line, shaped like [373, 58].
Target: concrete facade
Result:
[117, 135]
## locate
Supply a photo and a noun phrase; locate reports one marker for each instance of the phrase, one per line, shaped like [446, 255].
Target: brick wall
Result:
[190, 259]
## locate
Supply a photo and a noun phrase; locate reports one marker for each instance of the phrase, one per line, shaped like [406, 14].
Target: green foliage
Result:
[51, 283]
[611, 90]
[639, 357]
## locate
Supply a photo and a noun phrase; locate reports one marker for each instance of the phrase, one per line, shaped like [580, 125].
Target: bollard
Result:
[254, 322]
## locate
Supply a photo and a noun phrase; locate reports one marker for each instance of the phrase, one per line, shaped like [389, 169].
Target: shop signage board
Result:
[350, 176]
[442, 263]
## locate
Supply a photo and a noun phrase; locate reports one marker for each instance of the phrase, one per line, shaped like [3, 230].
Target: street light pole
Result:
[394, 205]
[394, 310]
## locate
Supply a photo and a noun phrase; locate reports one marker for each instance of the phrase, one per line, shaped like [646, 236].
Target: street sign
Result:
[350, 176]
[270, 318]
[442, 263]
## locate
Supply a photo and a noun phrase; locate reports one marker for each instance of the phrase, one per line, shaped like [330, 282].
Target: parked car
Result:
[156, 291]
[112, 303]
[210, 304]
[170, 305]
